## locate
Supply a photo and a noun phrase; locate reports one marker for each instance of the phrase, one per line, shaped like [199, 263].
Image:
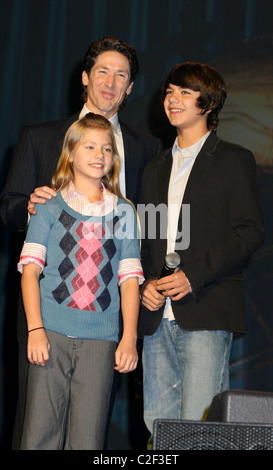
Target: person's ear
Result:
[129, 89]
[85, 78]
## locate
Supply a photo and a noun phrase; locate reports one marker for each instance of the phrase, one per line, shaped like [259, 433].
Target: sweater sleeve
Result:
[35, 245]
[129, 265]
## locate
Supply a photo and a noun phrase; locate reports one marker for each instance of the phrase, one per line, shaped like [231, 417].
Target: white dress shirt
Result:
[183, 160]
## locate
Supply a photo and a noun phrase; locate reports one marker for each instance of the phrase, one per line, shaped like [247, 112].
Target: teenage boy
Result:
[189, 319]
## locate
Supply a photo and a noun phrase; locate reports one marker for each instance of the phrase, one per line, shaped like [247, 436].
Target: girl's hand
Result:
[38, 347]
[126, 356]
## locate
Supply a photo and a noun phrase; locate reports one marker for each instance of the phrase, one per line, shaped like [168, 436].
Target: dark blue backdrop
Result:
[42, 47]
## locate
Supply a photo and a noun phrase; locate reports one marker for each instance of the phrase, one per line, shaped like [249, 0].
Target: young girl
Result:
[85, 242]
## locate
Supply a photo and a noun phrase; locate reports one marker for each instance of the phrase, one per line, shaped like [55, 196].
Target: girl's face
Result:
[93, 157]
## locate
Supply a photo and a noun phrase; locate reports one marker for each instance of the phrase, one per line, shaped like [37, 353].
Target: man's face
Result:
[180, 106]
[108, 83]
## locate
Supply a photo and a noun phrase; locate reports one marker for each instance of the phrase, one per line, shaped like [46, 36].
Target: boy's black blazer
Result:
[226, 227]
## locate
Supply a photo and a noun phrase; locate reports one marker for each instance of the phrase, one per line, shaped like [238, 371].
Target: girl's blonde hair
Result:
[64, 173]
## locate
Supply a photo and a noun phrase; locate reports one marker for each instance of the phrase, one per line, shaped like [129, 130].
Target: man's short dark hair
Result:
[110, 44]
[206, 80]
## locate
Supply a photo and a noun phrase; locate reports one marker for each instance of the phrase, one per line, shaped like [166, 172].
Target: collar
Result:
[108, 200]
[193, 150]
[114, 119]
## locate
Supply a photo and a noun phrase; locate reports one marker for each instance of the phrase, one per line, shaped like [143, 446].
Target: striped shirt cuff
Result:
[130, 267]
[32, 253]
[36, 253]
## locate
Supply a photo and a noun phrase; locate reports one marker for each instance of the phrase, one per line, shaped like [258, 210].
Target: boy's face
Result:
[181, 108]
[107, 83]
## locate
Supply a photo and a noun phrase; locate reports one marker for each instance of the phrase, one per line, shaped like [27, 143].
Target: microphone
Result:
[172, 260]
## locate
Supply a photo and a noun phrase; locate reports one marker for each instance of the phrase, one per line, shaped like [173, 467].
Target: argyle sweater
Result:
[79, 289]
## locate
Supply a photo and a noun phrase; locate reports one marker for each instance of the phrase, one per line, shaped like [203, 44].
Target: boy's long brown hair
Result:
[206, 80]
[64, 173]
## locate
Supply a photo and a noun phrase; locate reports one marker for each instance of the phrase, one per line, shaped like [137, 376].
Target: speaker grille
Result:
[197, 435]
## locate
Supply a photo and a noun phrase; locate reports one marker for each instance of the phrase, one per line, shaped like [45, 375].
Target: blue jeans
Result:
[183, 371]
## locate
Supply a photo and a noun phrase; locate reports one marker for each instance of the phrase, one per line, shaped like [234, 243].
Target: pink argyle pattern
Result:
[89, 256]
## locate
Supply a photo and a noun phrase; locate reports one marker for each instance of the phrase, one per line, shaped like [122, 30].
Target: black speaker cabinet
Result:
[240, 406]
[203, 435]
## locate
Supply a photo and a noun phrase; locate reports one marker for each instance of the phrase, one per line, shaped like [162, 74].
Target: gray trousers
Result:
[68, 399]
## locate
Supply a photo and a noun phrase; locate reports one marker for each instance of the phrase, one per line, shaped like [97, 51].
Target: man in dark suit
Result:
[109, 70]
[189, 318]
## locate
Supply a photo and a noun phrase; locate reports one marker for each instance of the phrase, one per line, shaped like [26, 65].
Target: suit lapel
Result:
[199, 170]
[162, 177]
[131, 153]
[68, 122]
[198, 173]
